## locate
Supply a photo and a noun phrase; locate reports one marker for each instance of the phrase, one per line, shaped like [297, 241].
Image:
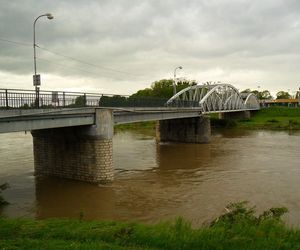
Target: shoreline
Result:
[238, 228]
[274, 118]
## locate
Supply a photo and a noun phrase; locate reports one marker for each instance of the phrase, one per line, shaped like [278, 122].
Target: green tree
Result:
[162, 89]
[262, 95]
[113, 101]
[265, 95]
[246, 91]
[283, 95]
[143, 92]
[80, 101]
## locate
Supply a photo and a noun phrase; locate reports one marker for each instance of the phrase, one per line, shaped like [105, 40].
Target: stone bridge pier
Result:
[241, 115]
[85, 153]
[189, 130]
[82, 153]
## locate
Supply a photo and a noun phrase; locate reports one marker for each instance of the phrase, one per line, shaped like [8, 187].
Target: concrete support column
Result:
[241, 115]
[80, 153]
[190, 130]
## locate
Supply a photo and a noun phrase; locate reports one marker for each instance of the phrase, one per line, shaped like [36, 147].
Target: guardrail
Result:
[26, 99]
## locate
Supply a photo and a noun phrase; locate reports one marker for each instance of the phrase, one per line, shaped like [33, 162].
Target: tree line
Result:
[265, 94]
[160, 91]
[164, 89]
[157, 95]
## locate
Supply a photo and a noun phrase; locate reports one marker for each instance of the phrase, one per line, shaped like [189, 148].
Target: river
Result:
[155, 182]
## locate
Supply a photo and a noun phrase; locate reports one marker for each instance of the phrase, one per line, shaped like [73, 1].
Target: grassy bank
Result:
[238, 229]
[277, 118]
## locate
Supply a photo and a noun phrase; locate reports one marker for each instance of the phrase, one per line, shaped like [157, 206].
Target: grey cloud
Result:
[149, 38]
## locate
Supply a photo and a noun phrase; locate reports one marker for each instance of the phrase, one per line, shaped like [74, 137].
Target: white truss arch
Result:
[252, 101]
[214, 98]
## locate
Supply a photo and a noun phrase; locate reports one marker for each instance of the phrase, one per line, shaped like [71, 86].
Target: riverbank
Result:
[238, 229]
[274, 118]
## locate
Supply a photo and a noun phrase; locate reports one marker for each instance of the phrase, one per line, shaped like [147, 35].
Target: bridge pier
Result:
[241, 115]
[82, 153]
[190, 130]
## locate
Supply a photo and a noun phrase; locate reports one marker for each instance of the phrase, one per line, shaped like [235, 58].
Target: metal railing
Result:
[26, 99]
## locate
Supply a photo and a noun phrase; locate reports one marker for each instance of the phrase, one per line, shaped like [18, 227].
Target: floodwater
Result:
[156, 182]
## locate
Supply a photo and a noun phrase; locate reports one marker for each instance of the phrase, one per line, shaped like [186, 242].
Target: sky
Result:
[121, 46]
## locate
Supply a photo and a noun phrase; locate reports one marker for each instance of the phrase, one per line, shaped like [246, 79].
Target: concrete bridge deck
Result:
[29, 120]
[34, 119]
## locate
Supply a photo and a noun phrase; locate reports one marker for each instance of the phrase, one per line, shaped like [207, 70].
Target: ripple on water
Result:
[157, 181]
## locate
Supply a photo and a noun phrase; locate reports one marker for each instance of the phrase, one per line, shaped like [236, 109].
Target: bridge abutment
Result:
[81, 153]
[242, 115]
[190, 130]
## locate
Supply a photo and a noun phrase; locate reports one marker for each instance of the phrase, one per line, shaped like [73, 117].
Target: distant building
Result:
[281, 102]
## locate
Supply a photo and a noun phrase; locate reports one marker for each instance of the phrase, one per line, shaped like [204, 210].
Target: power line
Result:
[87, 63]
[69, 57]
[65, 66]
[15, 42]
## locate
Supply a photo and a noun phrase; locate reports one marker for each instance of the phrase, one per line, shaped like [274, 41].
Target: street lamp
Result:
[37, 78]
[174, 83]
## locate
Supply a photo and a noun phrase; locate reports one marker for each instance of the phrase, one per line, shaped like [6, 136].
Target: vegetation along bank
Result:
[240, 228]
[275, 118]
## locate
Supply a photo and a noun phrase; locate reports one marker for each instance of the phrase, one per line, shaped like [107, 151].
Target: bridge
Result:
[73, 132]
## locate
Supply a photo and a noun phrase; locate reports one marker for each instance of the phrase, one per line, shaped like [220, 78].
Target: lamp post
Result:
[37, 78]
[299, 97]
[258, 93]
[174, 83]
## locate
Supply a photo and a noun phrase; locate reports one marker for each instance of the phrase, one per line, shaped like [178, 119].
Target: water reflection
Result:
[66, 198]
[182, 156]
[232, 133]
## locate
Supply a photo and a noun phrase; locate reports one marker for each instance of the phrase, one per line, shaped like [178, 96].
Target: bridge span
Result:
[76, 143]
[28, 120]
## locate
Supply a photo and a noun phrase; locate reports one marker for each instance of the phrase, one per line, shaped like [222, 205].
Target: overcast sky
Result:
[121, 46]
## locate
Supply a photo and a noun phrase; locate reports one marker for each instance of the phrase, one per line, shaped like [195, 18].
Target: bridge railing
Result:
[26, 99]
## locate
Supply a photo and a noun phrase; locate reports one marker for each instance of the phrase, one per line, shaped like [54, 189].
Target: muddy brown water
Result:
[156, 182]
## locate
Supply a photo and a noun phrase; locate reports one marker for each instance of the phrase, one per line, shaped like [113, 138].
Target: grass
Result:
[276, 118]
[237, 229]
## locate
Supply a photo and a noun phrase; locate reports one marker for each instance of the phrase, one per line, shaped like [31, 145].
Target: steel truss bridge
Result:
[215, 98]
[207, 98]
[67, 109]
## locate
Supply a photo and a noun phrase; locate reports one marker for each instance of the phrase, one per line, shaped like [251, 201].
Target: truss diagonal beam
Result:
[214, 98]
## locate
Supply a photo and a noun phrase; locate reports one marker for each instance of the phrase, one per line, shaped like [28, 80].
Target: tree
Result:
[113, 101]
[80, 101]
[246, 91]
[263, 95]
[283, 95]
[162, 89]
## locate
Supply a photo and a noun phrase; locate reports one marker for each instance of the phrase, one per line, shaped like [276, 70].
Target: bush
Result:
[273, 120]
[2, 200]
[223, 123]
[240, 213]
